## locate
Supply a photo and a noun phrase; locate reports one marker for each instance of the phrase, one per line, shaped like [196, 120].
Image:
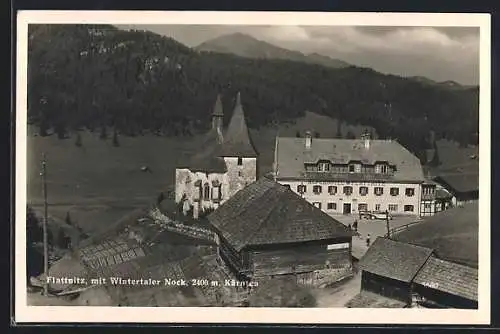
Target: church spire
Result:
[217, 115]
[237, 141]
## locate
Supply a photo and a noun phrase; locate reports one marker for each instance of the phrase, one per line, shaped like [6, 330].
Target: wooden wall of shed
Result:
[446, 300]
[386, 287]
[297, 259]
[230, 256]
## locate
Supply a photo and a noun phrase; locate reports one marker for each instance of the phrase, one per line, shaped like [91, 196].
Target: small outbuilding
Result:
[389, 267]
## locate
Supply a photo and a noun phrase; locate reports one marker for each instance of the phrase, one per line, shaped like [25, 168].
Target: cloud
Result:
[440, 53]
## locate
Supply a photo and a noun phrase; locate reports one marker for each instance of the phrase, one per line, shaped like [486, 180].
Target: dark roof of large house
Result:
[292, 155]
[266, 212]
[459, 182]
[449, 277]
[396, 260]
[452, 233]
[237, 142]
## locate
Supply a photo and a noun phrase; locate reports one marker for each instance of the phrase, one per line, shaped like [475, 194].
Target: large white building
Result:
[225, 163]
[346, 176]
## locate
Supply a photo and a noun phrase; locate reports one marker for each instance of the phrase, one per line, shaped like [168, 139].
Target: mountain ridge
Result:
[95, 77]
[245, 45]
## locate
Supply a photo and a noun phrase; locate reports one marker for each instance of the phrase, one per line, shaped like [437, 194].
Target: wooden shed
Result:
[267, 230]
[445, 284]
[389, 267]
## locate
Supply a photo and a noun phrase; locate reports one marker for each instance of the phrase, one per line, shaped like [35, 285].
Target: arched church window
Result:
[206, 191]
[198, 190]
[216, 190]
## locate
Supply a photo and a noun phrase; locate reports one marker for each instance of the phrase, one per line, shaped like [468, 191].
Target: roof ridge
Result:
[407, 243]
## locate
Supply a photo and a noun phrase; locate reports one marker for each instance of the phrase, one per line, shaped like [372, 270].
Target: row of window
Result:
[207, 193]
[364, 207]
[326, 166]
[348, 190]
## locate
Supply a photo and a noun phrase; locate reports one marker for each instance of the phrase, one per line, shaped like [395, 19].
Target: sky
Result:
[438, 53]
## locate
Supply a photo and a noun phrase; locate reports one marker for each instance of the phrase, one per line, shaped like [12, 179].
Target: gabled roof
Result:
[393, 259]
[449, 277]
[237, 141]
[292, 155]
[266, 212]
[452, 233]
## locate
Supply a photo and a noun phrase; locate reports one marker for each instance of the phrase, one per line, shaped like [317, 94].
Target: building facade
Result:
[225, 163]
[343, 176]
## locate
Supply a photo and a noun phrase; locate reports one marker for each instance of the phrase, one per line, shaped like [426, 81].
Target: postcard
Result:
[252, 167]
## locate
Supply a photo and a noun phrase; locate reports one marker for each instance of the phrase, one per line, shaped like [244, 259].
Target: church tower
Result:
[238, 151]
[218, 116]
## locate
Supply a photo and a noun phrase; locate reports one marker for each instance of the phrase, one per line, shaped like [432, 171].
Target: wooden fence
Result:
[401, 228]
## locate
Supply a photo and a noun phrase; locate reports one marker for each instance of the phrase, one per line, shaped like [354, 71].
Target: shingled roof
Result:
[452, 233]
[237, 141]
[266, 212]
[393, 259]
[449, 277]
[292, 155]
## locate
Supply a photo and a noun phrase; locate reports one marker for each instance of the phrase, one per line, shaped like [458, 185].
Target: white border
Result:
[44, 314]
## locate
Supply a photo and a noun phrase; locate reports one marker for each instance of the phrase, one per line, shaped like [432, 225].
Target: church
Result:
[224, 163]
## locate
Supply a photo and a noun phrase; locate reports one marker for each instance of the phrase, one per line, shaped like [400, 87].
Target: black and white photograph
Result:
[251, 162]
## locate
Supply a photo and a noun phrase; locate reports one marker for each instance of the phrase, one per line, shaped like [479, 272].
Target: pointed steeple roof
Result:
[218, 107]
[237, 141]
[207, 158]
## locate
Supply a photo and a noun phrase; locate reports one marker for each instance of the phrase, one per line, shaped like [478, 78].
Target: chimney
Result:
[308, 139]
[366, 139]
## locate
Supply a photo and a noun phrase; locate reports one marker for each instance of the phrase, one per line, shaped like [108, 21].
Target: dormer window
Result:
[354, 167]
[324, 166]
[381, 168]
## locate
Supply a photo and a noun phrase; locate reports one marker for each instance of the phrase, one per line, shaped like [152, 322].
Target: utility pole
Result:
[45, 220]
[387, 224]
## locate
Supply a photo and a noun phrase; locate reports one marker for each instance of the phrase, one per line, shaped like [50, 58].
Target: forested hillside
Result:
[96, 77]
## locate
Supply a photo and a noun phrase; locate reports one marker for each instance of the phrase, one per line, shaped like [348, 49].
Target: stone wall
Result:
[242, 175]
